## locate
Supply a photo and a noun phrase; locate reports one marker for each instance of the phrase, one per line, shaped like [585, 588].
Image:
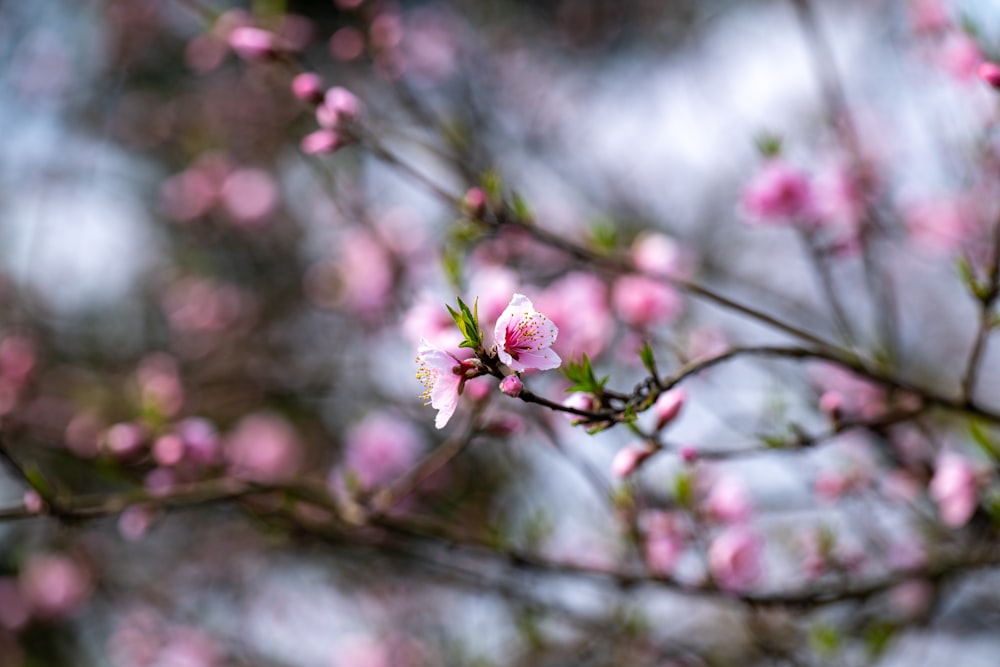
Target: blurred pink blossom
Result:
[249, 196]
[124, 438]
[953, 488]
[728, 500]
[524, 337]
[989, 72]
[201, 441]
[778, 194]
[380, 449]
[428, 318]
[942, 225]
[845, 394]
[320, 142]
[734, 558]
[308, 87]
[662, 255]
[264, 447]
[645, 302]
[135, 521]
[578, 304]
[665, 540]
[54, 585]
[961, 56]
[668, 406]
[629, 458]
[253, 43]
[347, 43]
[492, 286]
[14, 612]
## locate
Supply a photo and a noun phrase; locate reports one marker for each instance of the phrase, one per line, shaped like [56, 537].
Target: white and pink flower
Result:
[524, 337]
[443, 380]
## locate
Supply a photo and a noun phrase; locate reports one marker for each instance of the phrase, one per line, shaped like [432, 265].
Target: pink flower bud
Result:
[124, 439]
[320, 142]
[688, 454]
[343, 103]
[512, 386]
[580, 401]
[735, 559]
[778, 194]
[474, 202]
[628, 459]
[668, 406]
[54, 585]
[168, 450]
[728, 501]
[953, 488]
[33, 502]
[252, 43]
[990, 73]
[308, 87]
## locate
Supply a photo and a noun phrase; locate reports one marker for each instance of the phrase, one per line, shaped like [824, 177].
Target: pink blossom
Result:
[578, 304]
[688, 454]
[645, 302]
[14, 612]
[381, 448]
[33, 502]
[264, 447]
[845, 394]
[928, 15]
[728, 501]
[628, 459]
[441, 375]
[474, 201]
[492, 286]
[579, 400]
[990, 73]
[201, 440]
[734, 558]
[512, 386]
[168, 450]
[54, 585]
[135, 521]
[668, 406]
[953, 488]
[252, 43]
[249, 196]
[427, 318]
[347, 43]
[662, 255]
[778, 194]
[665, 540]
[160, 384]
[308, 87]
[524, 337]
[961, 56]
[320, 142]
[339, 106]
[125, 438]
[942, 225]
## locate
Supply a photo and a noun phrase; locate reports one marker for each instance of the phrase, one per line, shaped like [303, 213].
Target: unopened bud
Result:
[308, 87]
[628, 459]
[252, 43]
[474, 202]
[990, 73]
[320, 142]
[512, 386]
[668, 406]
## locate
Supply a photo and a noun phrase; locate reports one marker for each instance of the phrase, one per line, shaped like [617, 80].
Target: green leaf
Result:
[768, 144]
[825, 640]
[492, 185]
[684, 488]
[581, 374]
[878, 637]
[604, 234]
[983, 439]
[521, 209]
[646, 356]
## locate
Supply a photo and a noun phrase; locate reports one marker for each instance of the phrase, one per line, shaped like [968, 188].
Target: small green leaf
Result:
[521, 209]
[684, 488]
[825, 640]
[647, 358]
[878, 637]
[983, 439]
[768, 144]
[492, 185]
[604, 234]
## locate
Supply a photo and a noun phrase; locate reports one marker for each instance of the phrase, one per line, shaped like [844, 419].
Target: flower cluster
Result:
[524, 339]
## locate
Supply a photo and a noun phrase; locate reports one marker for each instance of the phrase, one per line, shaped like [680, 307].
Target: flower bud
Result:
[628, 459]
[320, 142]
[252, 43]
[512, 386]
[990, 73]
[474, 202]
[668, 406]
[343, 103]
[308, 87]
